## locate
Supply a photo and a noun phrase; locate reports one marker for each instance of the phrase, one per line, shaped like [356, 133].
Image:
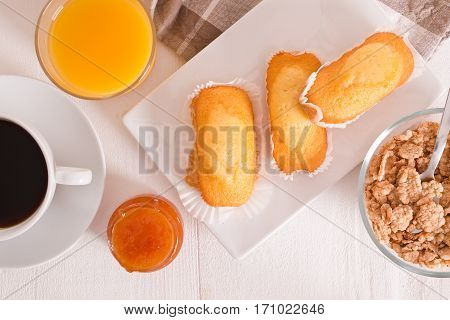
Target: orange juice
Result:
[100, 47]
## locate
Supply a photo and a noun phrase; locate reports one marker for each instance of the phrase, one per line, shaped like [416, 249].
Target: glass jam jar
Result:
[145, 233]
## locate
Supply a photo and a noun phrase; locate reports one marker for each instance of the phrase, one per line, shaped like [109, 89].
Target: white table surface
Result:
[309, 258]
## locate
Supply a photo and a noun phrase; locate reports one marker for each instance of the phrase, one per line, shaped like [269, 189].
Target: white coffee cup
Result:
[56, 175]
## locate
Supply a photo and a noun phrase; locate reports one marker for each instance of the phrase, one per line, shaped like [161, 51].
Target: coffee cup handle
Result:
[73, 176]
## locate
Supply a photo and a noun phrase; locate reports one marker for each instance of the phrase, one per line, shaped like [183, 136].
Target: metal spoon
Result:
[441, 141]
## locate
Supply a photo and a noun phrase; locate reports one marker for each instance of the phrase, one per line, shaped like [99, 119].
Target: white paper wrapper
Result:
[262, 193]
[418, 68]
[195, 205]
[328, 157]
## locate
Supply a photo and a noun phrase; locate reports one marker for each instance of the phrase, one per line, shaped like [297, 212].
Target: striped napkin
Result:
[187, 26]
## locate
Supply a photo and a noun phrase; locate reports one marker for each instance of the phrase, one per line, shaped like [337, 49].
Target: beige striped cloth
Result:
[188, 26]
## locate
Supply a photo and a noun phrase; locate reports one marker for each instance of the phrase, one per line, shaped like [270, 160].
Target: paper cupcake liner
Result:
[418, 68]
[328, 157]
[199, 209]
[191, 197]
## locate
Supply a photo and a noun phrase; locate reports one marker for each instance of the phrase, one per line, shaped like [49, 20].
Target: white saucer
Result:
[74, 143]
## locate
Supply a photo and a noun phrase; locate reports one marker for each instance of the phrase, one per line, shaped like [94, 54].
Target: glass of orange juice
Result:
[95, 49]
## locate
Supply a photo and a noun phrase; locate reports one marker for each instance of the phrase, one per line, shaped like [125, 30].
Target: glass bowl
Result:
[408, 122]
[42, 34]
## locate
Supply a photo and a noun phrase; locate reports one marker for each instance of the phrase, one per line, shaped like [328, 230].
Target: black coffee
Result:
[23, 174]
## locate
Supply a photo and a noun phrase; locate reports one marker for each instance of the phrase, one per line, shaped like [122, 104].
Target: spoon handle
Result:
[441, 141]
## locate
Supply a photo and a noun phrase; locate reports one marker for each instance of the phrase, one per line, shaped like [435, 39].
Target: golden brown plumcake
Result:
[359, 79]
[223, 163]
[298, 144]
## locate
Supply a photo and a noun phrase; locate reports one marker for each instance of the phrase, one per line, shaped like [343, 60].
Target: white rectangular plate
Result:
[326, 28]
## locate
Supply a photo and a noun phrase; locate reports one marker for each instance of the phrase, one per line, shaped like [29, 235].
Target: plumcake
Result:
[351, 85]
[298, 144]
[224, 161]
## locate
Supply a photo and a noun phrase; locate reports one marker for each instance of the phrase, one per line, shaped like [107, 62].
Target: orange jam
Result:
[145, 233]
